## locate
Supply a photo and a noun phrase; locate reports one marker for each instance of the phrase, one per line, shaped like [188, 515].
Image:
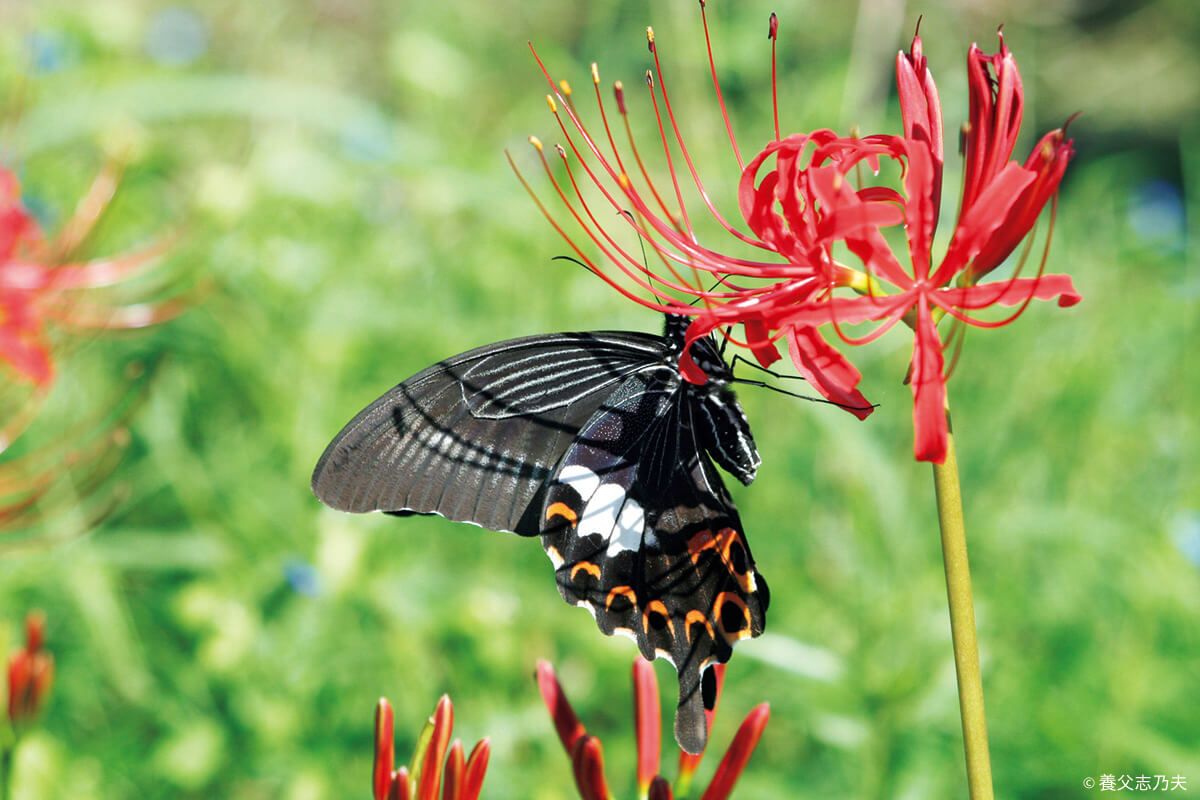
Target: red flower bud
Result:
[569, 728]
[385, 756]
[588, 763]
[30, 673]
[647, 720]
[738, 754]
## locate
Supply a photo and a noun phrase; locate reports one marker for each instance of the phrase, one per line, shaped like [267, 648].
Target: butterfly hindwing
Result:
[643, 533]
[475, 437]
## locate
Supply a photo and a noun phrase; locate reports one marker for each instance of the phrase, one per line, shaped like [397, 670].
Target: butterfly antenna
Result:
[720, 281]
[737, 359]
[798, 396]
[641, 243]
[574, 260]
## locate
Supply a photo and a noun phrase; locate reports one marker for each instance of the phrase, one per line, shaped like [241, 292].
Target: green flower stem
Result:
[962, 622]
[6, 758]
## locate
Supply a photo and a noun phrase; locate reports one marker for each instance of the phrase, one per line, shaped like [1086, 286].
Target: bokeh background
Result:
[333, 172]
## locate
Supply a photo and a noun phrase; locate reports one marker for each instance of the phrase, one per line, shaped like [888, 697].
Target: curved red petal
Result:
[1010, 293]
[829, 372]
[929, 390]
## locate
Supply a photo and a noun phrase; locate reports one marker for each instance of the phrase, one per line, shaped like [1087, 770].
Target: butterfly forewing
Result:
[475, 437]
[643, 534]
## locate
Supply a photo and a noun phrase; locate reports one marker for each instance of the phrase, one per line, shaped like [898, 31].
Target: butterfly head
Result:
[720, 421]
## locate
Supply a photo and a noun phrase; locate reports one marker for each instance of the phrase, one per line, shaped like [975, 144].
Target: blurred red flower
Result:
[30, 673]
[587, 756]
[40, 287]
[439, 768]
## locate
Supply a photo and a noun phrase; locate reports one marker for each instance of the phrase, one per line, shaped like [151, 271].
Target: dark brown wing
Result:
[475, 437]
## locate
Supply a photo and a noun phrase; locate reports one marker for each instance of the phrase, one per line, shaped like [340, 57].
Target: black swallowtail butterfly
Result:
[593, 442]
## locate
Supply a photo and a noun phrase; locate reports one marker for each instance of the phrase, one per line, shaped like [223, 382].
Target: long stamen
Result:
[687, 157]
[704, 258]
[605, 250]
[708, 259]
[712, 67]
[611, 242]
[619, 94]
[662, 132]
[773, 35]
[957, 338]
[583, 257]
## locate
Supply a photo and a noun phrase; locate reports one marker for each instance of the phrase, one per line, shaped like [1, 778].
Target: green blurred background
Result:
[336, 171]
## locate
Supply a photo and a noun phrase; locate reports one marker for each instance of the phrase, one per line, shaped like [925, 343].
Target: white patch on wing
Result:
[615, 517]
[581, 479]
[600, 511]
[627, 633]
[628, 532]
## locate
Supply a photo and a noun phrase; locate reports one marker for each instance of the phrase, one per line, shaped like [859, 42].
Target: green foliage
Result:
[336, 175]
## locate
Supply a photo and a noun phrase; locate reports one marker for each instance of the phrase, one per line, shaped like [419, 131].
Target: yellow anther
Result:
[623, 179]
[536, 142]
[566, 87]
[553, 105]
[649, 34]
[595, 73]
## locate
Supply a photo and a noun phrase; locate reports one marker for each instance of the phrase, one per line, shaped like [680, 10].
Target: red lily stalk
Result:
[40, 287]
[586, 754]
[800, 197]
[439, 767]
[30, 673]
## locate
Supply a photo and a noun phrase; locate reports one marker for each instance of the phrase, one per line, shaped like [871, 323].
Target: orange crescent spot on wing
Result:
[727, 538]
[723, 544]
[588, 567]
[657, 607]
[620, 591]
[699, 543]
[562, 510]
[694, 616]
[719, 606]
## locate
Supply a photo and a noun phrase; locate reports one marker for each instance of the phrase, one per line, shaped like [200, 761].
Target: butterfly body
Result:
[595, 443]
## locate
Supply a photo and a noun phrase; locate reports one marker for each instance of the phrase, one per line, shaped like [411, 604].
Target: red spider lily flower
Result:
[1002, 200]
[30, 673]
[439, 768]
[586, 753]
[40, 287]
[800, 197]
